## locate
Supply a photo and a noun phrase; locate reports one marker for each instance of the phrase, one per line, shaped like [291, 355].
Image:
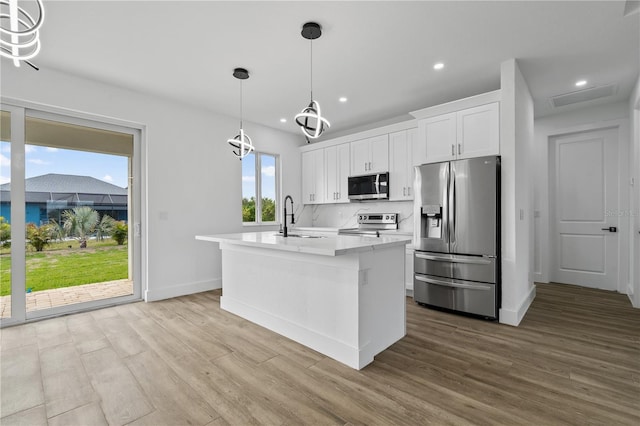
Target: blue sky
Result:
[268, 176]
[41, 160]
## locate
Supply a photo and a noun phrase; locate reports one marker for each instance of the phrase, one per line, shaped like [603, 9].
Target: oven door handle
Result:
[477, 261]
[451, 284]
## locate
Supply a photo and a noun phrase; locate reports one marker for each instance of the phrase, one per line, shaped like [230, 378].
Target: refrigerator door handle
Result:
[452, 208]
[476, 261]
[445, 209]
[452, 284]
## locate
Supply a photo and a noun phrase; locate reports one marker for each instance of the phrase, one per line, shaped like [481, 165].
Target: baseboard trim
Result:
[153, 295]
[630, 295]
[513, 317]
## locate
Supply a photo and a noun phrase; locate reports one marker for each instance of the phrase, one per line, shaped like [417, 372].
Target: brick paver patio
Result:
[69, 295]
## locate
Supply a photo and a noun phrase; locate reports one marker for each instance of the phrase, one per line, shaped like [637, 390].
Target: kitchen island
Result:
[343, 296]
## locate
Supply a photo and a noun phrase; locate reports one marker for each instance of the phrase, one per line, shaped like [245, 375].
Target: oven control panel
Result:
[378, 218]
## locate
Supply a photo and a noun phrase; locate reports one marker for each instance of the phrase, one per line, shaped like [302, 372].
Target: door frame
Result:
[622, 127]
[137, 250]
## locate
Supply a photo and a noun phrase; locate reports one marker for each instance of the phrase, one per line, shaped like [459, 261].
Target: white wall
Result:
[584, 119]
[634, 246]
[516, 139]
[193, 182]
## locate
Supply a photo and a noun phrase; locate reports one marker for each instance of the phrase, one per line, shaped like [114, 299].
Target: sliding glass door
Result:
[71, 205]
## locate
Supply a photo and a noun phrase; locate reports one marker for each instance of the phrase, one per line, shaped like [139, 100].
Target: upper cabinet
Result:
[313, 177]
[403, 151]
[336, 161]
[468, 133]
[370, 155]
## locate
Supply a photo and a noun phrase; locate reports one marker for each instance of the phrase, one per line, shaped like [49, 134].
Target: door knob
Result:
[610, 229]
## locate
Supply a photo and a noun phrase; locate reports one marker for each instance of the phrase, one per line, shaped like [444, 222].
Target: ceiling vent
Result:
[584, 95]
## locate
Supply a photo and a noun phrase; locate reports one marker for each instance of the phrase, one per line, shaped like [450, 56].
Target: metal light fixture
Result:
[242, 142]
[310, 120]
[20, 39]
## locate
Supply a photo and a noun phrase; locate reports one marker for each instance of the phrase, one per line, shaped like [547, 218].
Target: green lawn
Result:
[69, 267]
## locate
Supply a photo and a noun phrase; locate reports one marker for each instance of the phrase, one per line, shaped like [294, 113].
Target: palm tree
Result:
[80, 223]
[105, 227]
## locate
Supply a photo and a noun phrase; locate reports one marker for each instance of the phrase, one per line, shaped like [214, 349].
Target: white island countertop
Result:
[333, 245]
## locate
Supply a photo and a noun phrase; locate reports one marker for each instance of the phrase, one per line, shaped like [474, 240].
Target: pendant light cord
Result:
[241, 104]
[311, 61]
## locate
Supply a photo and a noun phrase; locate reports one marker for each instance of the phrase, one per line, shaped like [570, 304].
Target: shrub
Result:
[120, 232]
[5, 232]
[39, 236]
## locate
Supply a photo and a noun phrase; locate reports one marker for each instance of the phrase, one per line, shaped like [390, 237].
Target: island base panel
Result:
[348, 307]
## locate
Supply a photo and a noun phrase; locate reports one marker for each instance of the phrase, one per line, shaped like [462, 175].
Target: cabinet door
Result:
[412, 157]
[379, 154]
[308, 177]
[318, 178]
[313, 184]
[331, 173]
[359, 157]
[398, 166]
[342, 184]
[439, 136]
[478, 131]
[418, 148]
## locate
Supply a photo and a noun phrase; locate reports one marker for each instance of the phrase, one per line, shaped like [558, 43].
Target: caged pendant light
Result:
[310, 120]
[19, 32]
[242, 142]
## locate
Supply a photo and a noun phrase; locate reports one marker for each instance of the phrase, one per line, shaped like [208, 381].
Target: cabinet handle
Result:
[404, 191]
[369, 165]
[409, 191]
[459, 149]
[453, 149]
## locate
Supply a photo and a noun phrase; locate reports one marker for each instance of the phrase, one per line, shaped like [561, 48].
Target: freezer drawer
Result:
[474, 268]
[463, 296]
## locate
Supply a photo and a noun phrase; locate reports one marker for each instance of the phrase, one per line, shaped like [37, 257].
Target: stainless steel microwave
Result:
[369, 187]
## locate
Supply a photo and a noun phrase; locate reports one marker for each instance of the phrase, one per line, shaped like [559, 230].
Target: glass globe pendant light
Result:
[310, 120]
[241, 142]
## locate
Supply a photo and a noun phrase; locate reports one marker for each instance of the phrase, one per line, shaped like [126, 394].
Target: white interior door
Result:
[585, 188]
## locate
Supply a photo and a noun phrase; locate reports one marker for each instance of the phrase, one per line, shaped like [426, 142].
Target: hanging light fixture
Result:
[242, 142]
[19, 32]
[310, 120]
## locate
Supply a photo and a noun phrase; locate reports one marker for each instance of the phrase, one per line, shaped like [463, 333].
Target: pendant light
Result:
[20, 39]
[310, 120]
[242, 142]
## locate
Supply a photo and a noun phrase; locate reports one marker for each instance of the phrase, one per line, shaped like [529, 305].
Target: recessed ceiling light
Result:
[438, 66]
[283, 120]
[581, 83]
[343, 99]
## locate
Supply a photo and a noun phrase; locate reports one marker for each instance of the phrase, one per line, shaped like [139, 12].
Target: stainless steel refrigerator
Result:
[457, 226]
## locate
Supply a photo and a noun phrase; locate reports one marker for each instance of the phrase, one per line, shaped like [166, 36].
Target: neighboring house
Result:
[47, 196]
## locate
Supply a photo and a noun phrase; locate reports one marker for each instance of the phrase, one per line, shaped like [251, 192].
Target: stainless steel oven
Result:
[370, 224]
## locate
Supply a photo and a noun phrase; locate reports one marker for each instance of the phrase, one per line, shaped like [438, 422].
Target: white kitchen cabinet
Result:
[438, 134]
[402, 157]
[336, 160]
[370, 155]
[478, 131]
[313, 182]
[468, 133]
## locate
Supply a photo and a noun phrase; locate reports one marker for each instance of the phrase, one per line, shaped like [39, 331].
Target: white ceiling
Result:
[378, 54]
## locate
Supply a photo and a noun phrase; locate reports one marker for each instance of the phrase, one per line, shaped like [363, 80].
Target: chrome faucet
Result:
[284, 218]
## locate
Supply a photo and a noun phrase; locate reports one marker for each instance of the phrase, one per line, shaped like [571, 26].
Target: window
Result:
[260, 174]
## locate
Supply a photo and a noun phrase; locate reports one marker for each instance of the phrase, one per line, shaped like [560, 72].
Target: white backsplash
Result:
[345, 215]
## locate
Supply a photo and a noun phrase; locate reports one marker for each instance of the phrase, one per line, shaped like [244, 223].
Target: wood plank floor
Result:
[575, 359]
